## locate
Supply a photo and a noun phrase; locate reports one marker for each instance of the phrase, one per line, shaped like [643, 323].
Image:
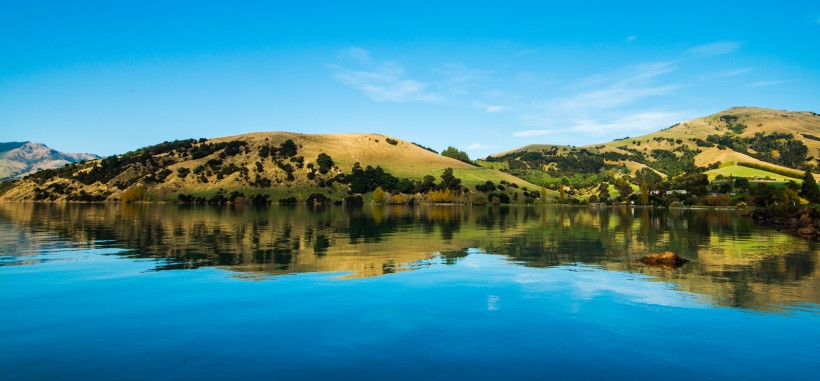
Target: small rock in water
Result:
[665, 259]
[808, 230]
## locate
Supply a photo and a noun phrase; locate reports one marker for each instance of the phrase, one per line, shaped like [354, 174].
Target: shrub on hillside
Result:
[488, 186]
[287, 148]
[183, 172]
[325, 163]
[133, 194]
[499, 198]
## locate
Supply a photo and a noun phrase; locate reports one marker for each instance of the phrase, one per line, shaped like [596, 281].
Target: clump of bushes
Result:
[325, 163]
[498, 198]
[133, 194]
[317, 199]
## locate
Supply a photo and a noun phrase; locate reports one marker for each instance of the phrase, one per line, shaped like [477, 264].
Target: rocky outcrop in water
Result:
[804, 221]
[666, 259]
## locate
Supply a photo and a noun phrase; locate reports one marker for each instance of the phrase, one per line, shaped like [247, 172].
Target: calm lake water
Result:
[163, 292]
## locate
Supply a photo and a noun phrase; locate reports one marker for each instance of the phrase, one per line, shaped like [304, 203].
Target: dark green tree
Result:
[368, 179]
[644, 197]
[324, 162]
[624, 189]
[809, 191]
[406, 186]
[652, 178]
[454, 153]
[427, 184]
[692, 182]
[288, 148]
[763, 194]
[603, 192]
[450, 181]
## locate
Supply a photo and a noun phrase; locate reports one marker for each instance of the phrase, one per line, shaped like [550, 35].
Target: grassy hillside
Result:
[781, 139]
[275, 164]
[737, 122]
[735, 170]
[762, 145]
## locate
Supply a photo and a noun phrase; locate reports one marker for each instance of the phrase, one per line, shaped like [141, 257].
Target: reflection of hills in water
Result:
[737, 263]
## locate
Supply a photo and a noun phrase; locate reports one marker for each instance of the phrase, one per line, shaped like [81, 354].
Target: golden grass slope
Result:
[757, 120]
[404, 159]
[401, 159]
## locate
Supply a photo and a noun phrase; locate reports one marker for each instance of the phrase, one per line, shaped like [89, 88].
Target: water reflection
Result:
[734, 262]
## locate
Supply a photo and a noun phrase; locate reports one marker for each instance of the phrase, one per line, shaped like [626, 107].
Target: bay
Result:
[133, 292]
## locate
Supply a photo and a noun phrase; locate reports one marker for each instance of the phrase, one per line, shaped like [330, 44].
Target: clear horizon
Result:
[107, 78]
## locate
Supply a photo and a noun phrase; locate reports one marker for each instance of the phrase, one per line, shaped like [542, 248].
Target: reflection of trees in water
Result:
[551, 251]
[194, 236]
[493, 218]
[452, 257]
[729, 259]
[750, 275]
[786, 271]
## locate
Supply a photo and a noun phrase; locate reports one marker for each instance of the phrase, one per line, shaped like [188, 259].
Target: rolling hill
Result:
[279, 165]
[775, 141]
[20, 158]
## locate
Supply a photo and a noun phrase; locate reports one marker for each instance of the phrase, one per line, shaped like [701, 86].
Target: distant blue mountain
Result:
[8, 146]
[20, 158]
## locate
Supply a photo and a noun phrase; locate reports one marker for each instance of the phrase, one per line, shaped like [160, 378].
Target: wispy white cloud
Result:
[640, 122]
[621, 88]
[476, 146]
[592, 106]
[358, 54]
[454, 72]
[631, 38]
[387, 81]
[766, 83]
[527, 51]
[615, 96]
[601, 96]
[729, 73]
[457, 80]
[715, 48]
[531, 133]
[384, 81]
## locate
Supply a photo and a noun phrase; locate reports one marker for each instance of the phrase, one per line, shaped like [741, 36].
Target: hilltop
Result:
[20, 158]
[717, 138]
[275, 165]
[741, 142]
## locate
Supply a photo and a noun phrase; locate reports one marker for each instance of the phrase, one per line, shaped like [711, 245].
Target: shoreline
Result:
[800, 220]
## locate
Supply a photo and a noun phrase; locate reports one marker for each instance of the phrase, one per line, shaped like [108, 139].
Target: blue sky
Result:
[109, 77]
